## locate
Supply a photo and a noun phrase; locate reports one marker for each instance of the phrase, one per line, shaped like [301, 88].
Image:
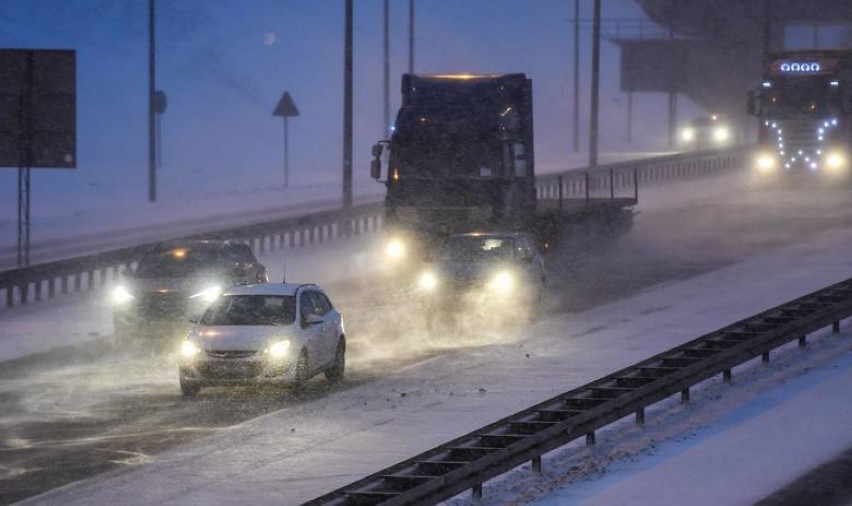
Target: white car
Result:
[278, 333]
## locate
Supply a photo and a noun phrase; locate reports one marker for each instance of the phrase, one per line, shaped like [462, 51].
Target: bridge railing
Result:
[87, 272]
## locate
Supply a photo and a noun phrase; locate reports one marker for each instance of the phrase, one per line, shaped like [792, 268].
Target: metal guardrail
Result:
[468, 461]
[44, 281]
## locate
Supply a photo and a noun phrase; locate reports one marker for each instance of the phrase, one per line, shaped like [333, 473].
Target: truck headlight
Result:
[279, 350]
[208, 294]
[502, 282]
[189, 350]
[395, 249]
[428, 281]
[121, 295]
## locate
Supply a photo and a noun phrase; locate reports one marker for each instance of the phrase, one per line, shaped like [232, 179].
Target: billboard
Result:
[38, 108]
[655, 65]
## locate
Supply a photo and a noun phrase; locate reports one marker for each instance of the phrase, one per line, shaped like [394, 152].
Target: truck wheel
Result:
[335, 373]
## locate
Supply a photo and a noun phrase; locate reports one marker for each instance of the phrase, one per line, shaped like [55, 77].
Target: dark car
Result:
[178, 279]
[483, 276]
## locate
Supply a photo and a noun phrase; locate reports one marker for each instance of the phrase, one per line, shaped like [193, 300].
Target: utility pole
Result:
[347, 110]
[386, 118]
[596, 68]
[410, 36]
[576, 75]
[152, 124]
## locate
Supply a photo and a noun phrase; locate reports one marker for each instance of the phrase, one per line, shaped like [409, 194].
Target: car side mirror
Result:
[313, 319]
[376, 168]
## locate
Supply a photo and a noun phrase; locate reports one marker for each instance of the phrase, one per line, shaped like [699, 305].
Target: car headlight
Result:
[279, 349]
[835, 161]
[502, 282]
[188, 349]
[721, 134]
[395, 249]
[208, 294]
[687, 134]
[121, 295]
[765, 163]
[428, 281]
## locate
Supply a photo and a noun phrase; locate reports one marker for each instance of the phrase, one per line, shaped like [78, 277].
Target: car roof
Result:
[193, 243]
[268, 289]
[491, 234]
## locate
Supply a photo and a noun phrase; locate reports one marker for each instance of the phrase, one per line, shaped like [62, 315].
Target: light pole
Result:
[347, 109]
[152, 124]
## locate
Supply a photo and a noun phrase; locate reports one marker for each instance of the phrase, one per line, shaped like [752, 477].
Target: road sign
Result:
[38, 108]
[286, 107]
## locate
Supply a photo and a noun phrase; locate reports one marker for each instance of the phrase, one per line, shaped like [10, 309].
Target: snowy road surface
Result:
[696, 260]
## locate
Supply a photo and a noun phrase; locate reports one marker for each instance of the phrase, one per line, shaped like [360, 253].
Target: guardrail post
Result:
[37, 287]
[764, 358]
[835, 327]
[559, 181]
[684, 395]
[536, 465]
[590, 439]
[23, 293]
[51, 287]
[10, 296]
[640, 416]
[803, 341]
[726, 375]
[636, 183]
[476, 492]
[612, 184]
[587, 187]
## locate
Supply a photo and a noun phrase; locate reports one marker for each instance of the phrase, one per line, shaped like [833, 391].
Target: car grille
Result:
[163, 305]
[228, 354]
[232, 370]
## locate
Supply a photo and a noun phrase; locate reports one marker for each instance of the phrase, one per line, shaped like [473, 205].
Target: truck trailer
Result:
[461, 159]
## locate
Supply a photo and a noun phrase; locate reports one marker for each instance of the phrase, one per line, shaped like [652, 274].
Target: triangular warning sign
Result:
[285, 106]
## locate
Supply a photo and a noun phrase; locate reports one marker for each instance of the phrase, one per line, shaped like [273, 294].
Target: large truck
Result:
[804, 107]
[460, 159]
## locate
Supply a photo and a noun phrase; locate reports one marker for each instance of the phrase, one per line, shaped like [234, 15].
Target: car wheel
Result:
[335, 373]
[302, 372]
[189, 389]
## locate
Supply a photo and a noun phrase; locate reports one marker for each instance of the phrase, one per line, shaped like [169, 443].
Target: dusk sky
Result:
[224, 64]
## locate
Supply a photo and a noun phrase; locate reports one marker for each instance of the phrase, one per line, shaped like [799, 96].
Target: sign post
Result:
[286, 108]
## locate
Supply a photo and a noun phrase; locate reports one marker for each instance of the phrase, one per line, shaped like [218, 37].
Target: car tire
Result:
[302, 372]
[335, 373]
[189, 389]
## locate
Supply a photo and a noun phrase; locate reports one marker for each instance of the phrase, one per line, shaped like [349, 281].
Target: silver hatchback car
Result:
[279, 333]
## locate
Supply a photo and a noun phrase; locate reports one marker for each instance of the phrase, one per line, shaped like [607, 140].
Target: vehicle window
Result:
[475, 248]
[306, 303]
[251, 310]
[245, 253]
[524, 247]
[322, 304]
[178, 262]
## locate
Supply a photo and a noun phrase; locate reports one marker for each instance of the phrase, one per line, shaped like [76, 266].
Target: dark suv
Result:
[177, 280]
[483, 277]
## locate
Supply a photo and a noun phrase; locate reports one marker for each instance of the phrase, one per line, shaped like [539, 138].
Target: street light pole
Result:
[152, 126]
[386, 119]
[347, 110]
[410, 36]
[596, 67]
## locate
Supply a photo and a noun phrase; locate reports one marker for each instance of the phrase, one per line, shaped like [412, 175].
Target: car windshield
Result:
[251, 310]
[179, 262]
[474, 248]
